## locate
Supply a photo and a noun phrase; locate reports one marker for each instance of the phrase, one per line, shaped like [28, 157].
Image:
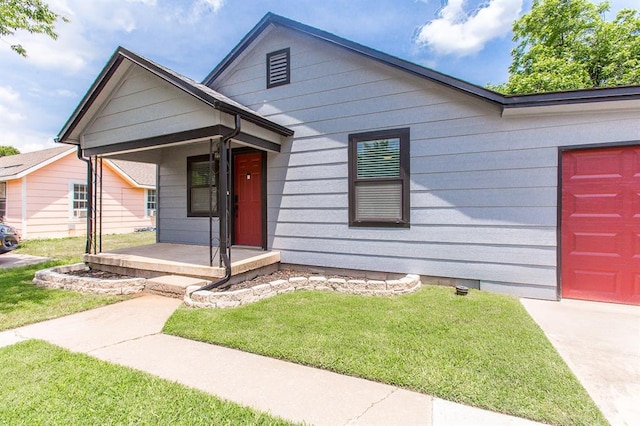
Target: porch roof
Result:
[131, 92]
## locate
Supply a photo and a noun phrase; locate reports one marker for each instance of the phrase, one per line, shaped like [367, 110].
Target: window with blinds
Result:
[200, 179]
[379, 178]
[278, 68]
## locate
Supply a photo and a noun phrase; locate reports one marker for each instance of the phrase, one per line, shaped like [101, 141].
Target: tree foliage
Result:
[8, 150]
[33, 16]
[568, 44]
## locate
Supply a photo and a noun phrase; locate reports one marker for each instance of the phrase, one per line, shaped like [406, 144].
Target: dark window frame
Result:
[287, 80]
[403, 134]
[190, 186]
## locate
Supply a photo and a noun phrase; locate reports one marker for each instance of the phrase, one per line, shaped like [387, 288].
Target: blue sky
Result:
[467, 39]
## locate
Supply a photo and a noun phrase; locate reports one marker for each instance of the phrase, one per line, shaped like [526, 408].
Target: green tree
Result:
[8, 150]
[568, 44]
[33, 16]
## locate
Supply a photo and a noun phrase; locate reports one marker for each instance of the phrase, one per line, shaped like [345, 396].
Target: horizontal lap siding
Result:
[173, 223]
[483, 187]
[143, 106]
[49, 201]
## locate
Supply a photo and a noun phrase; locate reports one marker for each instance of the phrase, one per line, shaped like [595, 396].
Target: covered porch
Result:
[154, 260]
[211, 155]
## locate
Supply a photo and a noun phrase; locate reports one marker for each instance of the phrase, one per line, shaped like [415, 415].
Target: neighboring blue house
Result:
[350, 158]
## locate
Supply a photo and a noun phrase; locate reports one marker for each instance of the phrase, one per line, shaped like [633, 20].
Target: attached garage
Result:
[600, 228]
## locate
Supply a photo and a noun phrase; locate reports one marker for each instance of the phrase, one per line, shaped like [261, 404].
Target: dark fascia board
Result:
[174, 79]
[603, 94]
[504, 101]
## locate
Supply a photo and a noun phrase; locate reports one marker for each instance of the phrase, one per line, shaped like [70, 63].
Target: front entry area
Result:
[248, 201]
[600, 227]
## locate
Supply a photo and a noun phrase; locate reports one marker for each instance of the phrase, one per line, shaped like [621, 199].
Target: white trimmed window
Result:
[79, 200]
[151, 202]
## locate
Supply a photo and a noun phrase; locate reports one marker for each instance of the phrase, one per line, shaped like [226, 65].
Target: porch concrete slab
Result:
[179, 259]
[105, 326]
[600, 342]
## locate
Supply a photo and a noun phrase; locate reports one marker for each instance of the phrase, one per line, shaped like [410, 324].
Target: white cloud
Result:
[460, 33]
[214, 5]
[8, 95]
[202, 7]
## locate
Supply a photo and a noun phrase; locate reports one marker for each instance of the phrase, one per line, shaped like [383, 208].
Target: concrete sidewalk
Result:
[600, 342]
[129, 333]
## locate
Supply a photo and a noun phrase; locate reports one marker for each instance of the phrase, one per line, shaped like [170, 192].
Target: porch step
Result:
[171, 285]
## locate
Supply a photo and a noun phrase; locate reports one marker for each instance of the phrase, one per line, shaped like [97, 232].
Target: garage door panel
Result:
[600, 204]
[592, 281]
[588, 166]
[600, 228]
[634, 170]
[607, 244]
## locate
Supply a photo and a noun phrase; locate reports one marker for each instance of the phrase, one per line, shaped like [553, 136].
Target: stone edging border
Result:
[57, 278]
[228, 299]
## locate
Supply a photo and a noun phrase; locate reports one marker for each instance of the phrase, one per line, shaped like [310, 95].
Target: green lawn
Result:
[44, 384]
[21, 302]
[71, 249]
[483, 349]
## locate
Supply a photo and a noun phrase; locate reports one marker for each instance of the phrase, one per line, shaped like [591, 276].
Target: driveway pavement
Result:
[600, 342]
[10, 260]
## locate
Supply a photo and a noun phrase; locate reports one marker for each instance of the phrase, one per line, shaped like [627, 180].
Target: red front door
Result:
[601, 224]
[247, 186]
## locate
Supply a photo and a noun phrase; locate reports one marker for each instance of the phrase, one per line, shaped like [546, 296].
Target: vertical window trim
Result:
[147, 210]
[3, 200]
[403, 134]
[200, 159]
[287, 80]
[72, 199]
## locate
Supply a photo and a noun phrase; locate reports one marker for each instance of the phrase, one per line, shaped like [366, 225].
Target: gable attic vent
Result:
[278, 68]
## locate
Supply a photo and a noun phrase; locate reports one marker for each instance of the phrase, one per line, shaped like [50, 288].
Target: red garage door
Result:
[601, 224]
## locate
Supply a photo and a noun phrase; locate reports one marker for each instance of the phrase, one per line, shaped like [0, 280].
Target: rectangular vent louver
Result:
[278, 68]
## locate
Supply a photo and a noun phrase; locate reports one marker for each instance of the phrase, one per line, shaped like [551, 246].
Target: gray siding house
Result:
[350, 158]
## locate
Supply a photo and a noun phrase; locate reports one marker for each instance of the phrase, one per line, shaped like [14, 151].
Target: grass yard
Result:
[71, 249]
[483, 349]
[44, 384]
[21, 302]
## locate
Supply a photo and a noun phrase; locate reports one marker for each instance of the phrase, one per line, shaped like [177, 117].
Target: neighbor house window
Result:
[3, 199]
[80, 201]
[278, 68]
[379, 178]
[152, 202]
[199, 180]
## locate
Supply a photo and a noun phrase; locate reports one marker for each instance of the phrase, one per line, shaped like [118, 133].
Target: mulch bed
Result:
[282, 274]
[94, 273]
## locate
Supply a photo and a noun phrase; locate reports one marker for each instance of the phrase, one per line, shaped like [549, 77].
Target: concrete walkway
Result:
[129, 333]
[12, 260]
[600, 342]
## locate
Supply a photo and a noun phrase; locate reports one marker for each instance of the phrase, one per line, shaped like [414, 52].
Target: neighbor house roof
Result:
[193, 88]
[17, 166]
[141, 174]
[505, 101]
